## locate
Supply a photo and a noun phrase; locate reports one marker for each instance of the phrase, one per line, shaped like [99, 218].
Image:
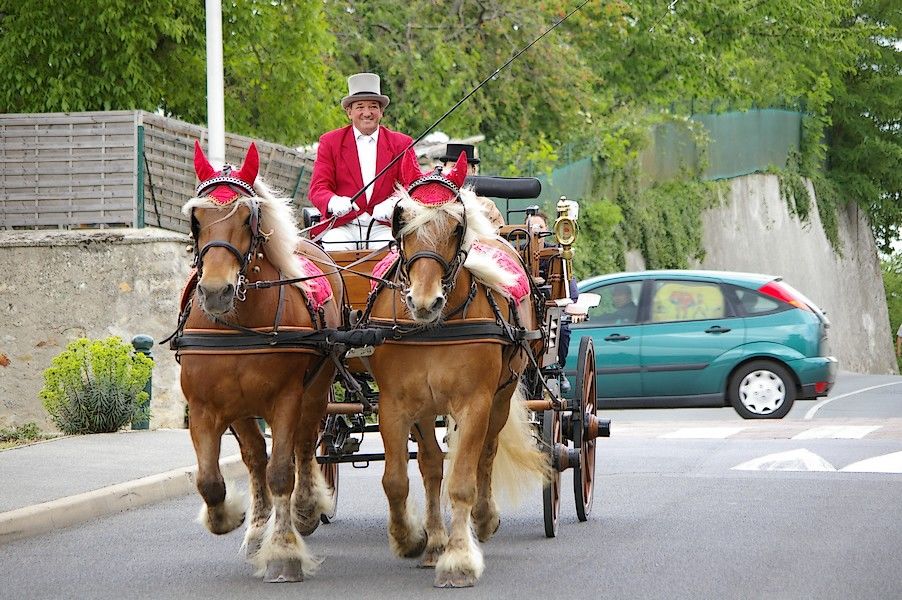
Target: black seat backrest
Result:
[311, 216]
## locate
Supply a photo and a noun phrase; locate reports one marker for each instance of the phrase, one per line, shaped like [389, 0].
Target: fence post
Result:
[139, 195]
[144, 344]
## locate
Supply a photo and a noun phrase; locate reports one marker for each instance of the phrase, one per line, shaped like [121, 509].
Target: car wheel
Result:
[762, 389]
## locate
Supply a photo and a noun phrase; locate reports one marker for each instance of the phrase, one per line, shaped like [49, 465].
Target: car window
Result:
[753, 303]
[686, 301]
[618, 304]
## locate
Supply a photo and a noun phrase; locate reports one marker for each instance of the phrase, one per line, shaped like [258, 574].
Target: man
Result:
[452, 153]
[624, 308]
[349, 158]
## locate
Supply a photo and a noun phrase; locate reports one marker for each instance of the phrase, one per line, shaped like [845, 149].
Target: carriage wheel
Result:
[551, 494]
[330, 473]
[585, 430]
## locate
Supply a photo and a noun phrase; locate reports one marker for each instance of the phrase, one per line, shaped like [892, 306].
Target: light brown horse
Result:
[235, 368]
[422, 375]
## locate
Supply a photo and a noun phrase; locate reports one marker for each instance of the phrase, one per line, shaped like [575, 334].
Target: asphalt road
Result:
[676, 517]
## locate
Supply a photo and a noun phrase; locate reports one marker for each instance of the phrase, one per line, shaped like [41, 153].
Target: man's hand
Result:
[339, 205]
[384, 210]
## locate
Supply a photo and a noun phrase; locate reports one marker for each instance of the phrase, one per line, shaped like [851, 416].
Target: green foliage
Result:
[793, 190]
[664, 220]
[28, 432]
[892, 284]
[96, 386]
[599, 246]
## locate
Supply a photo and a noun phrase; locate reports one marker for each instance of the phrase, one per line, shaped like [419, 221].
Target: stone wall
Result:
[754, 231]
[61, 285]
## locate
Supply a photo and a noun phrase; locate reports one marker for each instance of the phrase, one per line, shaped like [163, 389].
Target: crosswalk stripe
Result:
[708, 433]
[887, 463]
[836, 432]
[791, 460]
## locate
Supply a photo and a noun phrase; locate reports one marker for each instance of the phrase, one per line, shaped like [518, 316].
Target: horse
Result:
[431, 368]
[249, 350]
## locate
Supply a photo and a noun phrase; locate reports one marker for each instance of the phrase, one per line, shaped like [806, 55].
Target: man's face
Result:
[536, 223]
[365, 115]
[471, 168]
[621, 298]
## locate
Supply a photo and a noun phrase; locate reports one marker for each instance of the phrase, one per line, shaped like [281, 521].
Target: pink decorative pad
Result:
[383, 266]
[520, 287]
[223, 194]
[433, 194]
[320, 291]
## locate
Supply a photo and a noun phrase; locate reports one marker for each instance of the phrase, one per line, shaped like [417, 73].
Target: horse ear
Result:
[202, 166]
[458, 172]
[250, 167]
[410, 168]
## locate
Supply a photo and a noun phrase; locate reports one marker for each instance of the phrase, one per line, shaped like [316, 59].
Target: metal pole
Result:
[144, 344]
[215, 101]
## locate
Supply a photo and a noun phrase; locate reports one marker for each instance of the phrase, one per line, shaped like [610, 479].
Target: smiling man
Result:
[349, 158]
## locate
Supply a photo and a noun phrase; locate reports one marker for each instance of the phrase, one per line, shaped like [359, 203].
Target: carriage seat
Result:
[311, 216]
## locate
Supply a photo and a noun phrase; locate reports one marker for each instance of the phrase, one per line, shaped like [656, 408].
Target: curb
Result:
[73, 510]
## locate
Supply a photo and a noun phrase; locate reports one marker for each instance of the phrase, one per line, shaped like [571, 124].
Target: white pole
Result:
[215, 102]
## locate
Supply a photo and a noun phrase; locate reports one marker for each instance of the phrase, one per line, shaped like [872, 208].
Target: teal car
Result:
[704, 338]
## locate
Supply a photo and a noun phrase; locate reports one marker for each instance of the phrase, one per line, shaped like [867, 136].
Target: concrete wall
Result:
[57, 286]
[754, 231]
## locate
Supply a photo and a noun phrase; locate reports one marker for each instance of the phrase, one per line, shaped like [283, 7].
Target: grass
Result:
[20, 435]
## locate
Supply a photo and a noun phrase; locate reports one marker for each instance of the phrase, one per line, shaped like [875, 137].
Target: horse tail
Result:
[520, 463]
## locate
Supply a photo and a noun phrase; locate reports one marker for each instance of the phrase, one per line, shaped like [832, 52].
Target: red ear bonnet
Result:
[226, 185]
[458, 172]
[410, 169]
[250, 167]
[202, 166]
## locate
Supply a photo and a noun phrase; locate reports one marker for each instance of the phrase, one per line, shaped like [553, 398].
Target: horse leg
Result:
[486, 516]
[311, 496]
[283, 555]
[431, 459]
[406, 536]
[461, 564]
[223, 509]
[253, 453]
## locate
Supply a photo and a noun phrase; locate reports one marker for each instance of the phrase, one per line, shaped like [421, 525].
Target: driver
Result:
[349, 158]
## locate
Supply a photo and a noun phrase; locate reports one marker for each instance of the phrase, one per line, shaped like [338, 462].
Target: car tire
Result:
[762, 389]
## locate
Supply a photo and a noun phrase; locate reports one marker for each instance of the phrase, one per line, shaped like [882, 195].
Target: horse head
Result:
[430, 226]
[225, 225]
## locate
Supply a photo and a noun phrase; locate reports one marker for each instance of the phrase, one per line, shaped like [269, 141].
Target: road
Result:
[684, 510]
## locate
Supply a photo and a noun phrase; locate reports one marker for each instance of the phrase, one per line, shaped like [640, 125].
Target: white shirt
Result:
[366, 154]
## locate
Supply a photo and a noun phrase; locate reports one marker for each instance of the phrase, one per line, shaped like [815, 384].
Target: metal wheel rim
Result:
[762, 392]
[584, 485]
[551, 494]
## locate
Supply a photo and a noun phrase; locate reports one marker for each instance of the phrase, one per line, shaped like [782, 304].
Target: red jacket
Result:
[337, 171]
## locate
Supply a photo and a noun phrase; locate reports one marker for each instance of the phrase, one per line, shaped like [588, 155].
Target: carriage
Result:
[449, 325]
[568, 427]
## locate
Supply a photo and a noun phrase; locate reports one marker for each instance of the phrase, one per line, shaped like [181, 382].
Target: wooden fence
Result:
[113, 169]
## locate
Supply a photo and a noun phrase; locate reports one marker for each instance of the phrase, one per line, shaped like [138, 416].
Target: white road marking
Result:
[792, 460]
[836, 432]
[813, 410]
[707, 433]
[887, 463]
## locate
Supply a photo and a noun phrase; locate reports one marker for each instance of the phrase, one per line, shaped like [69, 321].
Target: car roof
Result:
[734, 277]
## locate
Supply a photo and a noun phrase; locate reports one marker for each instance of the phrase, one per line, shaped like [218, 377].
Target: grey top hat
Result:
[364, 86]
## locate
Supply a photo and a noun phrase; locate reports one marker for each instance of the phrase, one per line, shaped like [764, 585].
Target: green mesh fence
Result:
[739, 143]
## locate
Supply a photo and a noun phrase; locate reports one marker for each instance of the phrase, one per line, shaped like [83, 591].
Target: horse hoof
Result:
[430, 558]
[418, 547]
[485, 531]
[284, 571]
[454, 579]
[308, 527]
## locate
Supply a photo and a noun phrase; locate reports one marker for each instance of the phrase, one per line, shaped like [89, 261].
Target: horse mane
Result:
[277, 225]
[424, 220]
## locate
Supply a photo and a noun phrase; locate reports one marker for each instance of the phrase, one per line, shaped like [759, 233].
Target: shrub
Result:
[96, 386]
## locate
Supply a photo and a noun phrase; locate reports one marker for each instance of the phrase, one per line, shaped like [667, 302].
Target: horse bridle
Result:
[450, 269]
[243, 259]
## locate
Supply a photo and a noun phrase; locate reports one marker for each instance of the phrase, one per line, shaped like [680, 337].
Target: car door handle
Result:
[616, 337]
[717, 329]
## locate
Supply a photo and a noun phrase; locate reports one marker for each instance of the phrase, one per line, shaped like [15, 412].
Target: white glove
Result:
[339, 205]
[385, 209]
